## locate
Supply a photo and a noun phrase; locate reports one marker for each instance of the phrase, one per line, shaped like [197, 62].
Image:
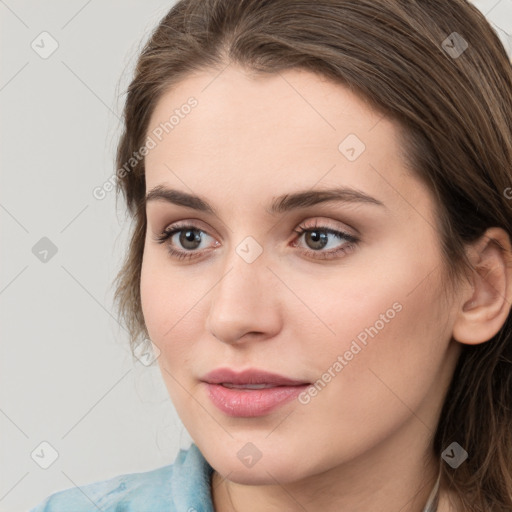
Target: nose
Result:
[244, 302]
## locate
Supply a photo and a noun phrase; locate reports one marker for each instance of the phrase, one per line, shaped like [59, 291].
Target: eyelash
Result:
[186, 255]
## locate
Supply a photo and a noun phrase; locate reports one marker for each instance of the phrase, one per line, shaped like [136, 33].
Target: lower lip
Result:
[251, 402]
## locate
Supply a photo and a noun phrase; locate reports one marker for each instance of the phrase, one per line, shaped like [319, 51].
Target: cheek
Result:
[391, 346]
[169, 304]
[386, 320]
[383, 361]
[366, 303]
[168, 300]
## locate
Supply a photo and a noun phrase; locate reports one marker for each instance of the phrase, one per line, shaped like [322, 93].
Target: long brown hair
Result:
[436, 67]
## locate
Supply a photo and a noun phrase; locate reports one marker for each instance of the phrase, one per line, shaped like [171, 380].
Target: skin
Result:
[364, 441]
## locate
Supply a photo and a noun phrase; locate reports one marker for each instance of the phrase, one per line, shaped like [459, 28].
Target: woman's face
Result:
[354, 306]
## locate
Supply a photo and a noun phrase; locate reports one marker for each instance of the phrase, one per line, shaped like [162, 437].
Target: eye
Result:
[189, 238]
[317, 238]
[184, 241]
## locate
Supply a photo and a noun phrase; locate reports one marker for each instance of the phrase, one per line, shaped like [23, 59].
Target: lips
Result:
[249, 379]
[247, 386]
[250, 393]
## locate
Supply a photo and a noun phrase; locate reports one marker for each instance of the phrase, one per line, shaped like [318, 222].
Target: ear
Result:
[486, 304]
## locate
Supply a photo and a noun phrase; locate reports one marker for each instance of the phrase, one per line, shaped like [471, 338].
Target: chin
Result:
[259, 474]
[271, 467]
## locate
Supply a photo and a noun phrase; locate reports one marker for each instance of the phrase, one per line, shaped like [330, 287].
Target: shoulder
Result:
[183, 485]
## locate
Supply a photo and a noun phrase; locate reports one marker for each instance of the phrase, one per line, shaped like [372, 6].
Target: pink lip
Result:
[250, 402]
[250, 376]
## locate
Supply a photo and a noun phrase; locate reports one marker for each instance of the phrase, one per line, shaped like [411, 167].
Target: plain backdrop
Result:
[75, 406]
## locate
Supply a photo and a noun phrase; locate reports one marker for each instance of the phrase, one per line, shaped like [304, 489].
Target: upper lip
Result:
[250, 376]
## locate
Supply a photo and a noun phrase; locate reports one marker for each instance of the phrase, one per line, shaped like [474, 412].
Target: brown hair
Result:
[455, 111]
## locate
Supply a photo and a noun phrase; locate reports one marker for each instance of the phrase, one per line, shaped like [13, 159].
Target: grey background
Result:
[68, 377]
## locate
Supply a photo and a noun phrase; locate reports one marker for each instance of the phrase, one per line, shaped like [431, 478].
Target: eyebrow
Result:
[281, 204]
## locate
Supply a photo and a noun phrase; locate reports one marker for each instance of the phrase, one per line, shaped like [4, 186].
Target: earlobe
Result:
[487, 303]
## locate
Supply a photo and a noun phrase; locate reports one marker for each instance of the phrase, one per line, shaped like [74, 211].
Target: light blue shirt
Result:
[183, 486]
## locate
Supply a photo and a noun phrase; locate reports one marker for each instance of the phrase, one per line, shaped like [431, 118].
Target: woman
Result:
[321, 257]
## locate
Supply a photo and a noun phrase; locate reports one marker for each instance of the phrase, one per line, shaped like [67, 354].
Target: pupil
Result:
[317, 236]
[189, 237]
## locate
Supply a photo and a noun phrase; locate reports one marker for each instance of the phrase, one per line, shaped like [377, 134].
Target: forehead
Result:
[253, 135]
[292, 104]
